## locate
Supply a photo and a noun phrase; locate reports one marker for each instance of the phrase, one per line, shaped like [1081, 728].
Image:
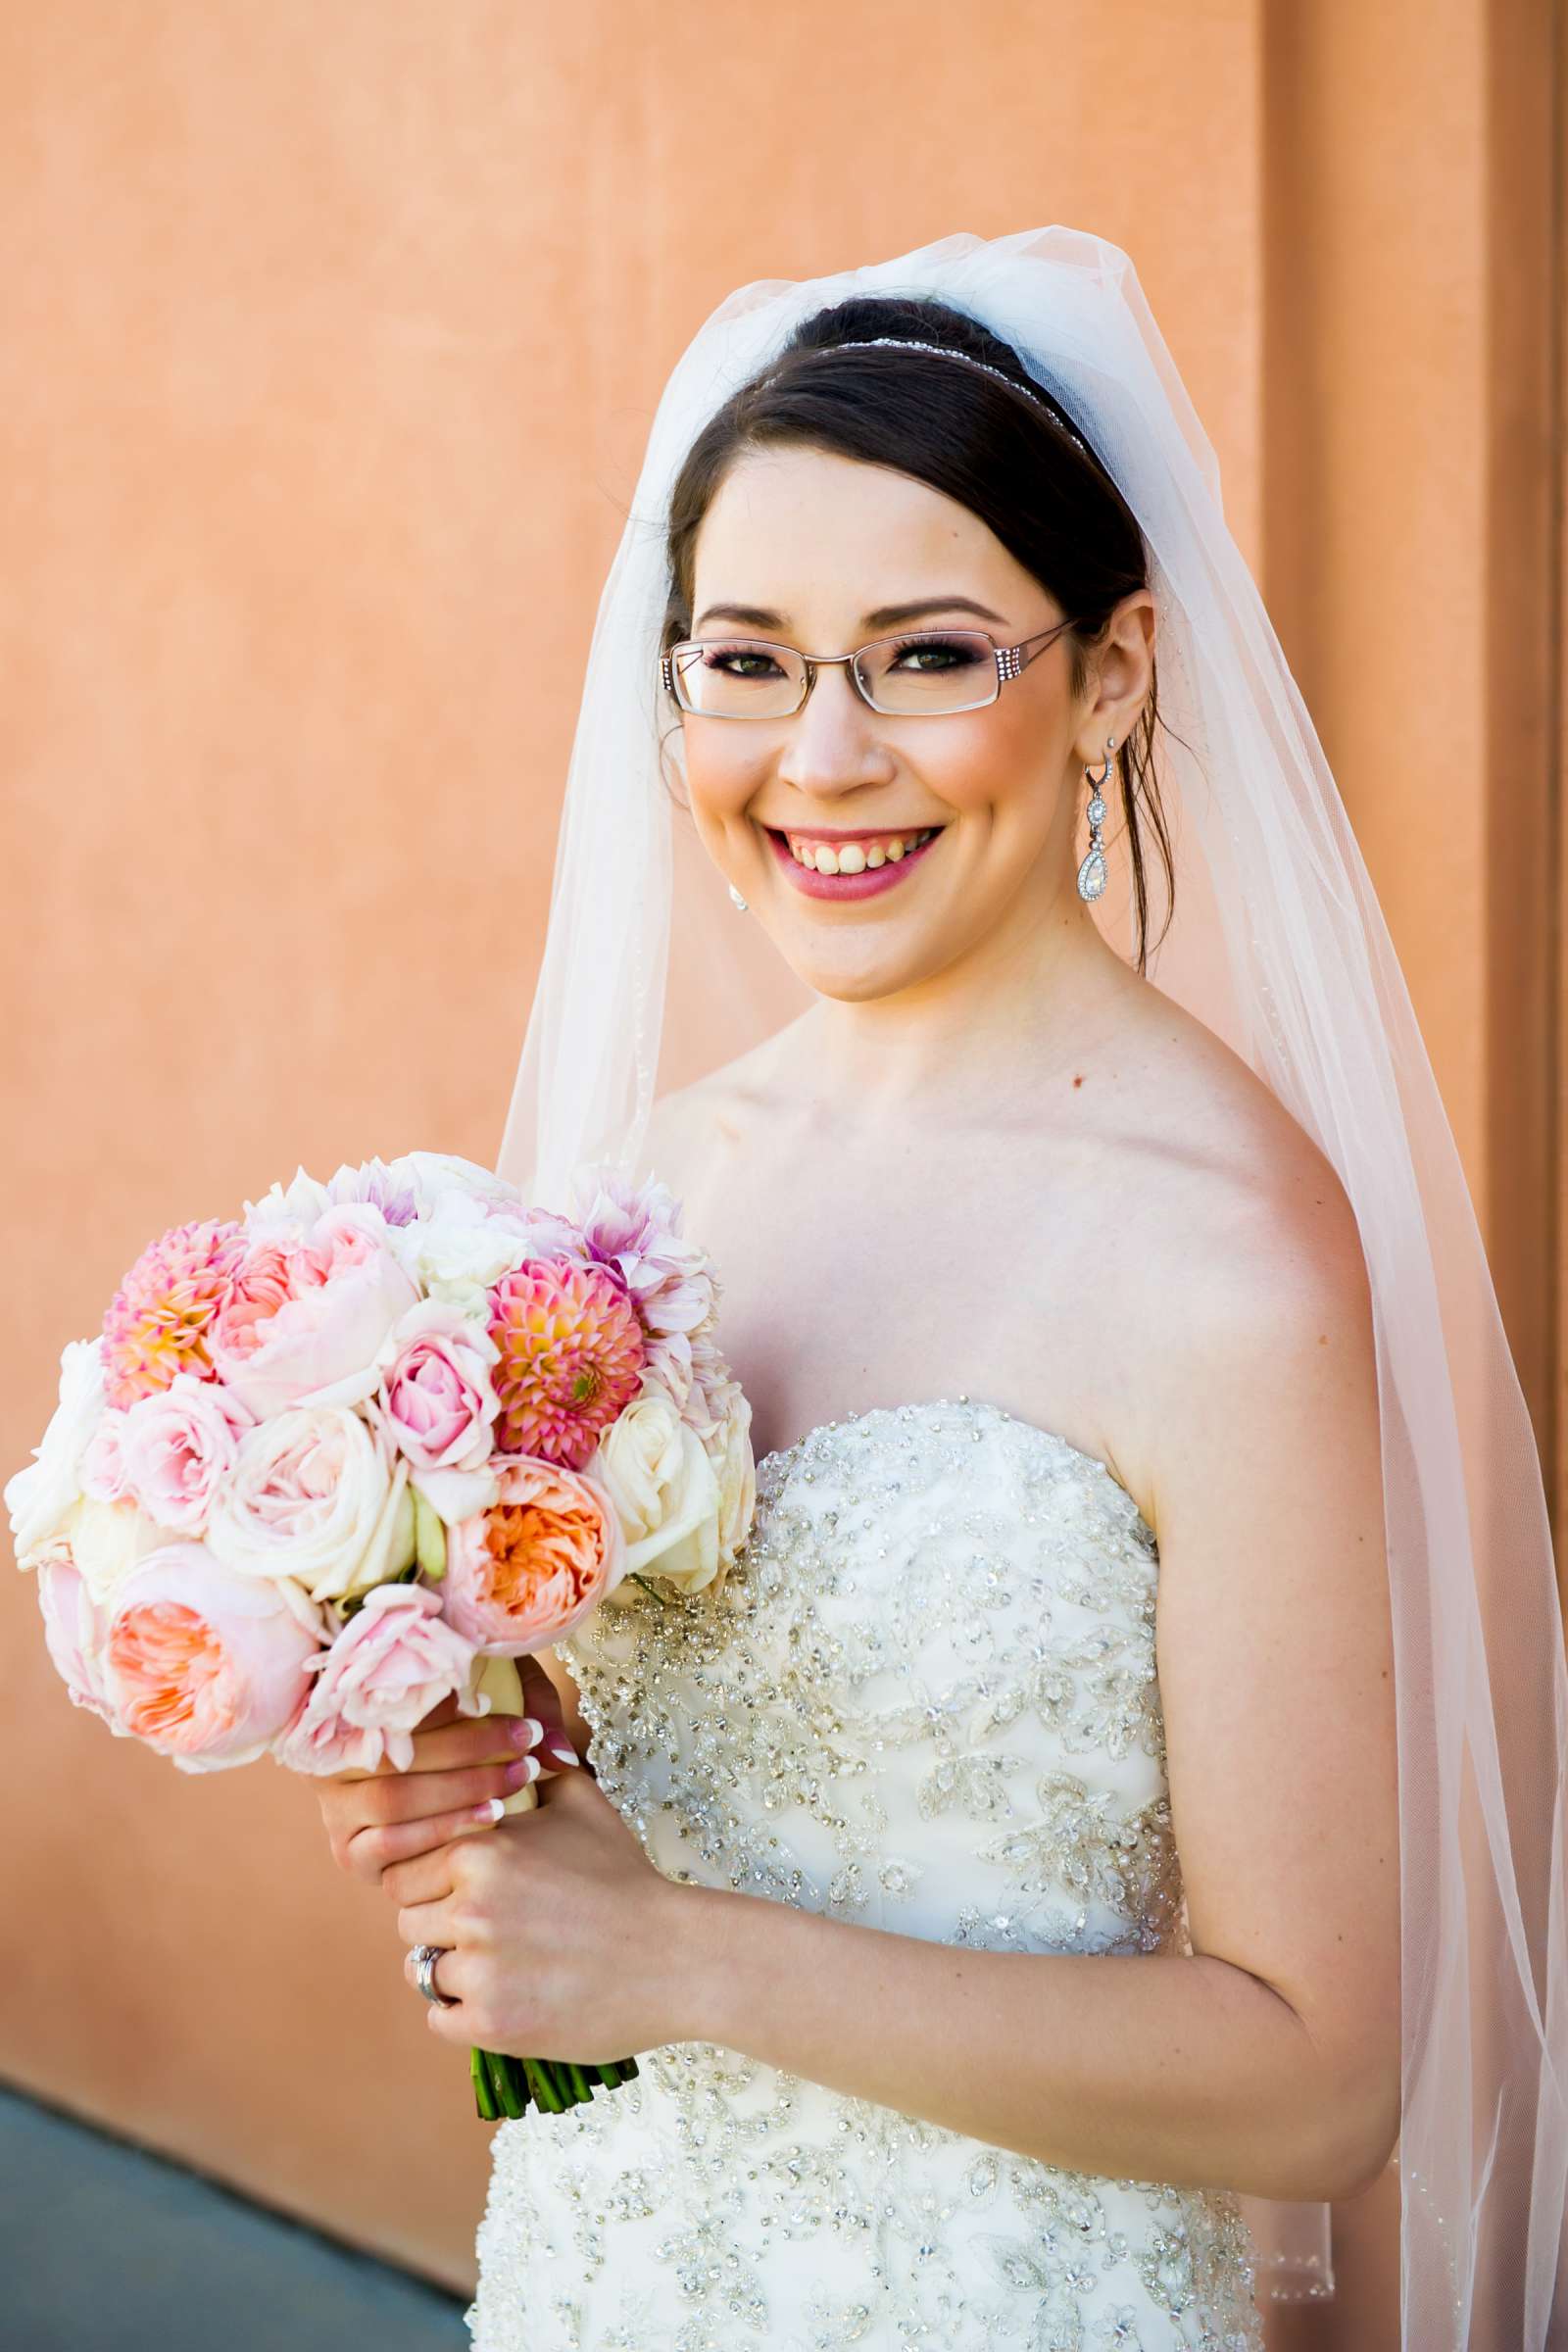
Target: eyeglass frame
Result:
[1012, 661]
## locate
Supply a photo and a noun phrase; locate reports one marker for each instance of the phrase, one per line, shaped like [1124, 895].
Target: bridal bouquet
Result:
[356, 1451]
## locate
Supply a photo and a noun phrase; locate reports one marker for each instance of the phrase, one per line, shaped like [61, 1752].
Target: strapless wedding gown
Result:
[924, 1698]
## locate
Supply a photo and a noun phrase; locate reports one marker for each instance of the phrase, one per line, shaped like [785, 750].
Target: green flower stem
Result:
[506, 2087]
[542, 2083]
[484, 2097]
[511, 2094]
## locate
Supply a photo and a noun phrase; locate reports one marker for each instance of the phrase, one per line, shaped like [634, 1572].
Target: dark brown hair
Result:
[1054, 509]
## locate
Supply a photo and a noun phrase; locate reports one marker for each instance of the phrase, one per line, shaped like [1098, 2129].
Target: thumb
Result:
[542, 1700]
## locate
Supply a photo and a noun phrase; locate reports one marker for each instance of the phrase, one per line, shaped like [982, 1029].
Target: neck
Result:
[1020, 1008]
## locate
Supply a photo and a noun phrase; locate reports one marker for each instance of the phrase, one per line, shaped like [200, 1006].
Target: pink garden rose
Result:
[103, 1466]
[206, 1666]
[395, 1659]
[437, 1405]
[258, 1290]
[306, 1318]
[74, 1629]
[174, 1447]
[522, 1573]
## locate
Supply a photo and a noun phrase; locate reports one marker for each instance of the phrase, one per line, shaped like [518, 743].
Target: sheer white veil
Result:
[1277, 943]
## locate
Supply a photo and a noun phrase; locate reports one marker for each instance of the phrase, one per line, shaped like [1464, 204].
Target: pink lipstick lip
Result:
[845, 832]
[865, 885]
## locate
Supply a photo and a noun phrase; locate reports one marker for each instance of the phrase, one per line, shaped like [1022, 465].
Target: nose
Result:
[828, 741]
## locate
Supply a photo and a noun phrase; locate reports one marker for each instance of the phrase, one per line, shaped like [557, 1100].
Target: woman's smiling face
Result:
[816, 547]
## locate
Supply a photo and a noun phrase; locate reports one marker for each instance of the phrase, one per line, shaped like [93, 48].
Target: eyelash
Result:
[919, 642]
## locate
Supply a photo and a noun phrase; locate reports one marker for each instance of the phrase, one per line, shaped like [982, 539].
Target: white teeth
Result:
[853, 856]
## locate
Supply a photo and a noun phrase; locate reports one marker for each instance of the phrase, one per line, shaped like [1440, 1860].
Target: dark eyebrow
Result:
[886, 616]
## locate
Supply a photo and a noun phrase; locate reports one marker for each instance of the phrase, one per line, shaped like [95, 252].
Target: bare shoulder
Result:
[1265, 1330]
[1263, 1214]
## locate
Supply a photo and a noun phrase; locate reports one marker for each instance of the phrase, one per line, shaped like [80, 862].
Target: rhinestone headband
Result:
[945, 350]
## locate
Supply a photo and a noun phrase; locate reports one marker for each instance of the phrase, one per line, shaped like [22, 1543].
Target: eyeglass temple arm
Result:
[1040, 640]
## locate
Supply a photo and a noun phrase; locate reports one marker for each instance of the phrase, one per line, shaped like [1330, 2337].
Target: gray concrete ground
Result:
[105, 2248]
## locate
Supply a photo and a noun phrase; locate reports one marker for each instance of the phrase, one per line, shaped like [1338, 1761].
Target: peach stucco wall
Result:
[332, 336]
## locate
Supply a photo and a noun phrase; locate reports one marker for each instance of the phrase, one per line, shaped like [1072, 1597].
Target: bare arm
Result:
[1268, 2062]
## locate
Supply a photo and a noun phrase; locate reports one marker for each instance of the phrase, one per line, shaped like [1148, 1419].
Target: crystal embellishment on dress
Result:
[924, 1698]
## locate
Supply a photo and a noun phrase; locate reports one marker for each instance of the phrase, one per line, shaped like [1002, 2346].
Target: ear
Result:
[1123, 664]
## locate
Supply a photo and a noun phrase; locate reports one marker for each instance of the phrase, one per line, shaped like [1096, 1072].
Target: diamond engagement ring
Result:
[425, 1956]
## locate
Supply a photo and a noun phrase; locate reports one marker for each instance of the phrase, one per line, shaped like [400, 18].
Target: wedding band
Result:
[425, 1956]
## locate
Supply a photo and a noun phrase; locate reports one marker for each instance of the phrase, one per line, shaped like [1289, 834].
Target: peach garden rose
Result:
[522, 1573]
[204, 1665]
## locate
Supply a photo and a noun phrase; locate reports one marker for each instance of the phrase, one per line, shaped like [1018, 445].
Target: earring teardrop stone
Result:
[1092, 875]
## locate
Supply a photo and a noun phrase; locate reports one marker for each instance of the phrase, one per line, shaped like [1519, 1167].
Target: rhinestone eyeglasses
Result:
[926, 672]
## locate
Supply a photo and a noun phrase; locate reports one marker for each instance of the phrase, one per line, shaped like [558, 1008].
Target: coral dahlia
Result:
[571, 1357]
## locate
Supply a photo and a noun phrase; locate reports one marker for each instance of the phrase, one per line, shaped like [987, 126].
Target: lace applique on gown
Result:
[923, 1698]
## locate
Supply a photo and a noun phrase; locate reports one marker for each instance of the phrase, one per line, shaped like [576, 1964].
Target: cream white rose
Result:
[311, 1497]
[434, 1175]
[457, 1251]
[39, 1497]
[730, 1450]
[286, 1211]
[104, 1542]
[664, 1489]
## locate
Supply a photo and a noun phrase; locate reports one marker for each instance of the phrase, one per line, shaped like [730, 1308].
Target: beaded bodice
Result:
[925, 1699]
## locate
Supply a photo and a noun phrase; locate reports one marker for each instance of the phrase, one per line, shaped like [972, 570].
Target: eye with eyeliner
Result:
[964, 649]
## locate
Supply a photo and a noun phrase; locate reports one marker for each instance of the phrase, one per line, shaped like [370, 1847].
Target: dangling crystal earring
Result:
[736, 896]
[1092, 872]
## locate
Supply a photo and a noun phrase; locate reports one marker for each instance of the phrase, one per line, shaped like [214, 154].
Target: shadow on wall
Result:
[102, 2244]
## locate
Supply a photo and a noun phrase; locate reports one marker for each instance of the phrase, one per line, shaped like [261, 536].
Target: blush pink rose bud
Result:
[204, 1665]
[523, 1572]
[437, 1405]
[393, 1662]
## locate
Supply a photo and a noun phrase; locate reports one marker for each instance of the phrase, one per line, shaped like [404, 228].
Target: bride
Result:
[1006, 1875]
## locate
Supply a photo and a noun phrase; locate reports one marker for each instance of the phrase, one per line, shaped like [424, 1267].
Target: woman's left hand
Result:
[560, 1937]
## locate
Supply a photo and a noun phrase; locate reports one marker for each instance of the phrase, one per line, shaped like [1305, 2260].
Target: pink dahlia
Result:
[158, 1319]
[571, 1357]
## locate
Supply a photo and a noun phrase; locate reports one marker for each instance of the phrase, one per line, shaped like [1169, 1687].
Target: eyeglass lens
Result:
[745, 677]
